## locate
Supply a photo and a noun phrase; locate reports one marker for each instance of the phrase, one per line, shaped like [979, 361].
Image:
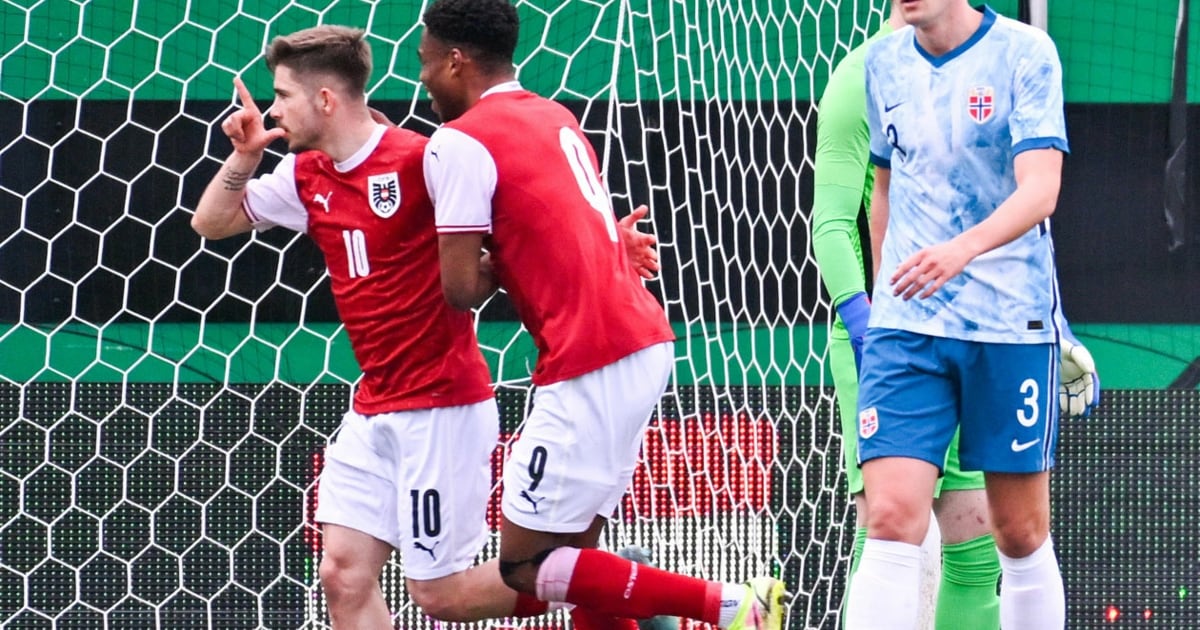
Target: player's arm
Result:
[1038, 174]
[219, 212]
[460, 176]
[880, 156]
[840, 179]
[467, 279]
[879, 214]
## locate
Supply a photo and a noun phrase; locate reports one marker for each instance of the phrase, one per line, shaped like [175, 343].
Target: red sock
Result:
[529, 606]
[607, 583]
[583, 619]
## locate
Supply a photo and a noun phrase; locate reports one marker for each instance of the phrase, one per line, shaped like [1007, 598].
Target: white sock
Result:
[731, 600]
[885, 590]
[1031, 591]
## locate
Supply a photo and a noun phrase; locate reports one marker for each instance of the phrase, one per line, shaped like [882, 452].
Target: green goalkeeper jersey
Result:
[843, 178]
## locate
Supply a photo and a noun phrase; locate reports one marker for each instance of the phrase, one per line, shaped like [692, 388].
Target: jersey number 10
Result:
[356, 253]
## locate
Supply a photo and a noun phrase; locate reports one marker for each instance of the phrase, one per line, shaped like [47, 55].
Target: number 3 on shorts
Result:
[1029, 389]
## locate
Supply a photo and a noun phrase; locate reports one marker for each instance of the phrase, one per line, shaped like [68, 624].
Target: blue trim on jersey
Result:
[989, 18]
[881, 162]
[1041, 143]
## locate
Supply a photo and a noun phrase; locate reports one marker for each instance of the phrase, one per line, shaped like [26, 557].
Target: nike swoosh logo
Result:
[1017, 447]
[888, 108]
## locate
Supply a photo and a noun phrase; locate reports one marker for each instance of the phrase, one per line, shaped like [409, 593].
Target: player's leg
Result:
[474, 594]
[642, 555]
[567, 473]
[1012, 435]
[355, 506]
[443, 475]
[349, 573]
[1031, 594]
[907, 416]
[845, 384]
[931, 575]
[970, 567]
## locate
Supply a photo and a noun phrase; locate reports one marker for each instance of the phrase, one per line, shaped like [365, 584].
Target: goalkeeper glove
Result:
[1079, 386]
[855, 311]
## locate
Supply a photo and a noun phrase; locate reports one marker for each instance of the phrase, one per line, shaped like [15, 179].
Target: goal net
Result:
[165, 401]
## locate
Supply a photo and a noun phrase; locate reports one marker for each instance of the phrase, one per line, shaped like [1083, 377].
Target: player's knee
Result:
[1019, 537]
[892, 518]
[519, 576]
[440, 600]
[343, 581]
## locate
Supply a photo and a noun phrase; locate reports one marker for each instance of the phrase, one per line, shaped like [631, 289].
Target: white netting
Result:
[164, 401]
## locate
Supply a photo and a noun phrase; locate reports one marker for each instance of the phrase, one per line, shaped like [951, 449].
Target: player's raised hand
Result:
[929, 269]
[639, 246]
[245, 127]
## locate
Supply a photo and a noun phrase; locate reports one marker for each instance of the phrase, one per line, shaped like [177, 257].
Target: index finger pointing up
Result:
[244, 95]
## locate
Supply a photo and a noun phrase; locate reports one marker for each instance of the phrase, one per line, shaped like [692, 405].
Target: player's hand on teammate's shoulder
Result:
[1079, 385]
[639, 246]
[380, 117]
[245, 127]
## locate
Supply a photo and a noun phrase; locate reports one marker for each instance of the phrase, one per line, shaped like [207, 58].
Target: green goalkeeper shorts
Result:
[845, 382]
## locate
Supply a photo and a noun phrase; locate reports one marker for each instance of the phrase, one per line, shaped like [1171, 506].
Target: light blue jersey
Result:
[949, 127]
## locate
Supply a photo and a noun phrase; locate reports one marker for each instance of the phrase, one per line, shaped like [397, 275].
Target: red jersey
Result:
[372, 218]
[553, 243]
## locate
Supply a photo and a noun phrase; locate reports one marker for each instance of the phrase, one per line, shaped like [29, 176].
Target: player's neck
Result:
[347, 136]
[948, 31]
[485, 81]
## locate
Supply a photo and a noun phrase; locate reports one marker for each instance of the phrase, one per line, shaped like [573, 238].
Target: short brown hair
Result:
[340, 51]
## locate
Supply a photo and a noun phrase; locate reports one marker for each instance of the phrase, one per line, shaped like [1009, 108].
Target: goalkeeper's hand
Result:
[1079, 389]
[855, 311]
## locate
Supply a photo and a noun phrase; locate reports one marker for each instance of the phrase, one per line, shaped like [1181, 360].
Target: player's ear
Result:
[457, 60]
[326, 100]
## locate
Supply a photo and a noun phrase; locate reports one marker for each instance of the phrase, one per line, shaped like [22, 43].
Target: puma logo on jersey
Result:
[429, 550]
[532, 501]
[323, 200]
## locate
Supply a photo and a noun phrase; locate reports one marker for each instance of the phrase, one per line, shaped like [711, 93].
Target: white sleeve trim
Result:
[272, 199]
[461, 177]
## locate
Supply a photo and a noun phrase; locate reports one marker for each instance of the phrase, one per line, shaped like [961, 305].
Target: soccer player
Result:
[410, 467]
[965, 111]
[512, 172]
[843, 177]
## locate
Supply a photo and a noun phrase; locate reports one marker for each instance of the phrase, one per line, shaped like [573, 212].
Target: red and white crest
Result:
[383, 191]
[981, 103]
[868, 422]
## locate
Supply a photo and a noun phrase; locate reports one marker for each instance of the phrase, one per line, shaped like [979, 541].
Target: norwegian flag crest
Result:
[868, 422]
[981, 103]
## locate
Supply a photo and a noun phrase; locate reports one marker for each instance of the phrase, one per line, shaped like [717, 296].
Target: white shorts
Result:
[417, 480]
[579, 445]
